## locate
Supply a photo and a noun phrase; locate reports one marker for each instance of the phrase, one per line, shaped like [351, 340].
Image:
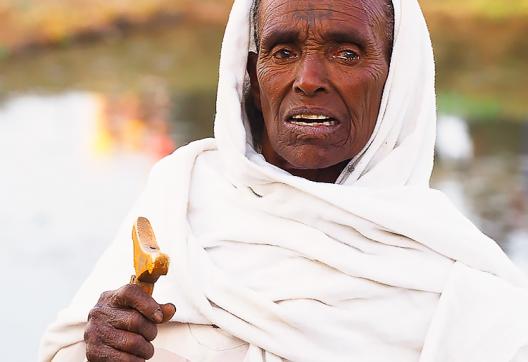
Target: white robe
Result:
[377, 267]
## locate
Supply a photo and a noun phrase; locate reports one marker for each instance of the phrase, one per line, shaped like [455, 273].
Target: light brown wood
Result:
[149, 262]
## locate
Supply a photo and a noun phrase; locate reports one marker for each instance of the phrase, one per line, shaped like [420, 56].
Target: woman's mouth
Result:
[312, 120]
[312, 124]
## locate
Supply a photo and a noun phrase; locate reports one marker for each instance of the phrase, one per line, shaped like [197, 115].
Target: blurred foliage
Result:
[26, 22]
[185, 58]
[481, 48]
[481, 66]
[29, 22]
[485, 8]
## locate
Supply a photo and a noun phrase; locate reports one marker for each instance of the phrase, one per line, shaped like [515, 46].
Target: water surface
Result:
[80, 127]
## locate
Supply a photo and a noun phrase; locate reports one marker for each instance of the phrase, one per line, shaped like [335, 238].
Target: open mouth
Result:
[312, 120]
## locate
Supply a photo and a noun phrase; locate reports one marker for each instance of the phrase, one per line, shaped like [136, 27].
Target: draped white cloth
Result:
[377, 267]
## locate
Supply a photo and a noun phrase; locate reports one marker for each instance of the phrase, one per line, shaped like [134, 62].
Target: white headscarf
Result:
[400, 151]
[377, 267]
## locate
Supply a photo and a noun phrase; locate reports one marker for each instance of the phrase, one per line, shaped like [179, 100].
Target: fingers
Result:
[128, 342]
[105, 343]
[103, 353]
[168, 311]
[132, 296]
[133, 321]
[122, 325]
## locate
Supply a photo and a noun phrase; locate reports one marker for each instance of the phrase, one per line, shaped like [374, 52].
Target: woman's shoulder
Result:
[181, 159]
[188, 152]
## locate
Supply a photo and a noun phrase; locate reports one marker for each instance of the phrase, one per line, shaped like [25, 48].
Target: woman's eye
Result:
[347, 55]
[284, 54]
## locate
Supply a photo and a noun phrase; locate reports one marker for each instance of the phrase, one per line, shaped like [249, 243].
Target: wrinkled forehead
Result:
[366, 14]
[310, 10]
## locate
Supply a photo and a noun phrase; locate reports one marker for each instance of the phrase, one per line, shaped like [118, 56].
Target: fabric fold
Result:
[377, 267]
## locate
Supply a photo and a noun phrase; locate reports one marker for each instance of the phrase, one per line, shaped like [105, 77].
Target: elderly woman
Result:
[306, 230]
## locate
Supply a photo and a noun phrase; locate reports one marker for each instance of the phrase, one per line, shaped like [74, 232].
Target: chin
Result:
[311, 158]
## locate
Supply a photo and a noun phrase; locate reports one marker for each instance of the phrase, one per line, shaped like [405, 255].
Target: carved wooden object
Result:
[149, 262]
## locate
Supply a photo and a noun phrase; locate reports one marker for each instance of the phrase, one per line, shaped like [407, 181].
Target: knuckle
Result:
[134, 321]
[90, 334]
[95, 313]
[117, 298]
[129, 290]
[87, 335]
[124, 294]
[123, 291]
[140, 346]
[137, 323]
[106, 335]
[92, 354]
[123, 341]
[118, 319]
[105, 296]
[134, 341]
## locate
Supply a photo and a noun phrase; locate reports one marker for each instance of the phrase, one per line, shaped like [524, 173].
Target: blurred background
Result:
[93, 92]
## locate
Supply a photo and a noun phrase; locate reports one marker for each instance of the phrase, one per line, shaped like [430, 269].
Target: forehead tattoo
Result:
[311, 14]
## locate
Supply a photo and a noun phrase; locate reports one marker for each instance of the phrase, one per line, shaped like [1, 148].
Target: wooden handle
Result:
[149, 262]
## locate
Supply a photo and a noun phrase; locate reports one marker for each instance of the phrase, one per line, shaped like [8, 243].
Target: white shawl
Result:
[378, 267]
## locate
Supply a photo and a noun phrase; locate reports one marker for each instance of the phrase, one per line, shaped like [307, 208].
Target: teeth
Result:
[310, 116]
[314, 124]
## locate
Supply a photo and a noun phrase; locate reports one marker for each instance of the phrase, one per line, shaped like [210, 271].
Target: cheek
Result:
[363, 95]
[274, 83]
[275, 77]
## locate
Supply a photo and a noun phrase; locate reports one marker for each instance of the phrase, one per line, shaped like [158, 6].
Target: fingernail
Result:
[158, 315]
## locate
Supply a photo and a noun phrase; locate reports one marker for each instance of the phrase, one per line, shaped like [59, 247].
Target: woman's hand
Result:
[122, 324]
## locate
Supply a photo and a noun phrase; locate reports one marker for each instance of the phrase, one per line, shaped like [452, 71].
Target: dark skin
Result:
[317, 58]
[123, 324]
[326, 58]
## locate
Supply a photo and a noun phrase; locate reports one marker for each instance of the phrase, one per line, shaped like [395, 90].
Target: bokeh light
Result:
[92, 93]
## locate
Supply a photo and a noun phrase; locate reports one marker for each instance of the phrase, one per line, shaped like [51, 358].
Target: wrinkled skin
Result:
[327, 56]
[123, 324]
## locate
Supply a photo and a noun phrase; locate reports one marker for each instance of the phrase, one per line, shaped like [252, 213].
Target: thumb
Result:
[168, 311]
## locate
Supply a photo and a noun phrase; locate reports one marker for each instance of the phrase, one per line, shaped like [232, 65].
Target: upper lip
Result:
[311, 111]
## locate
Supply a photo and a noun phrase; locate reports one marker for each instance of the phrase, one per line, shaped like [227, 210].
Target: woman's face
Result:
[318, 78]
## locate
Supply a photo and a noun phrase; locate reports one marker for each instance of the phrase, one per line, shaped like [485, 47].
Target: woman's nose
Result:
[311, 77]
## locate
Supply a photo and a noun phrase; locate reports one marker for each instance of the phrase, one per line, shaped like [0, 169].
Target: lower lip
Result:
[315, 130]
